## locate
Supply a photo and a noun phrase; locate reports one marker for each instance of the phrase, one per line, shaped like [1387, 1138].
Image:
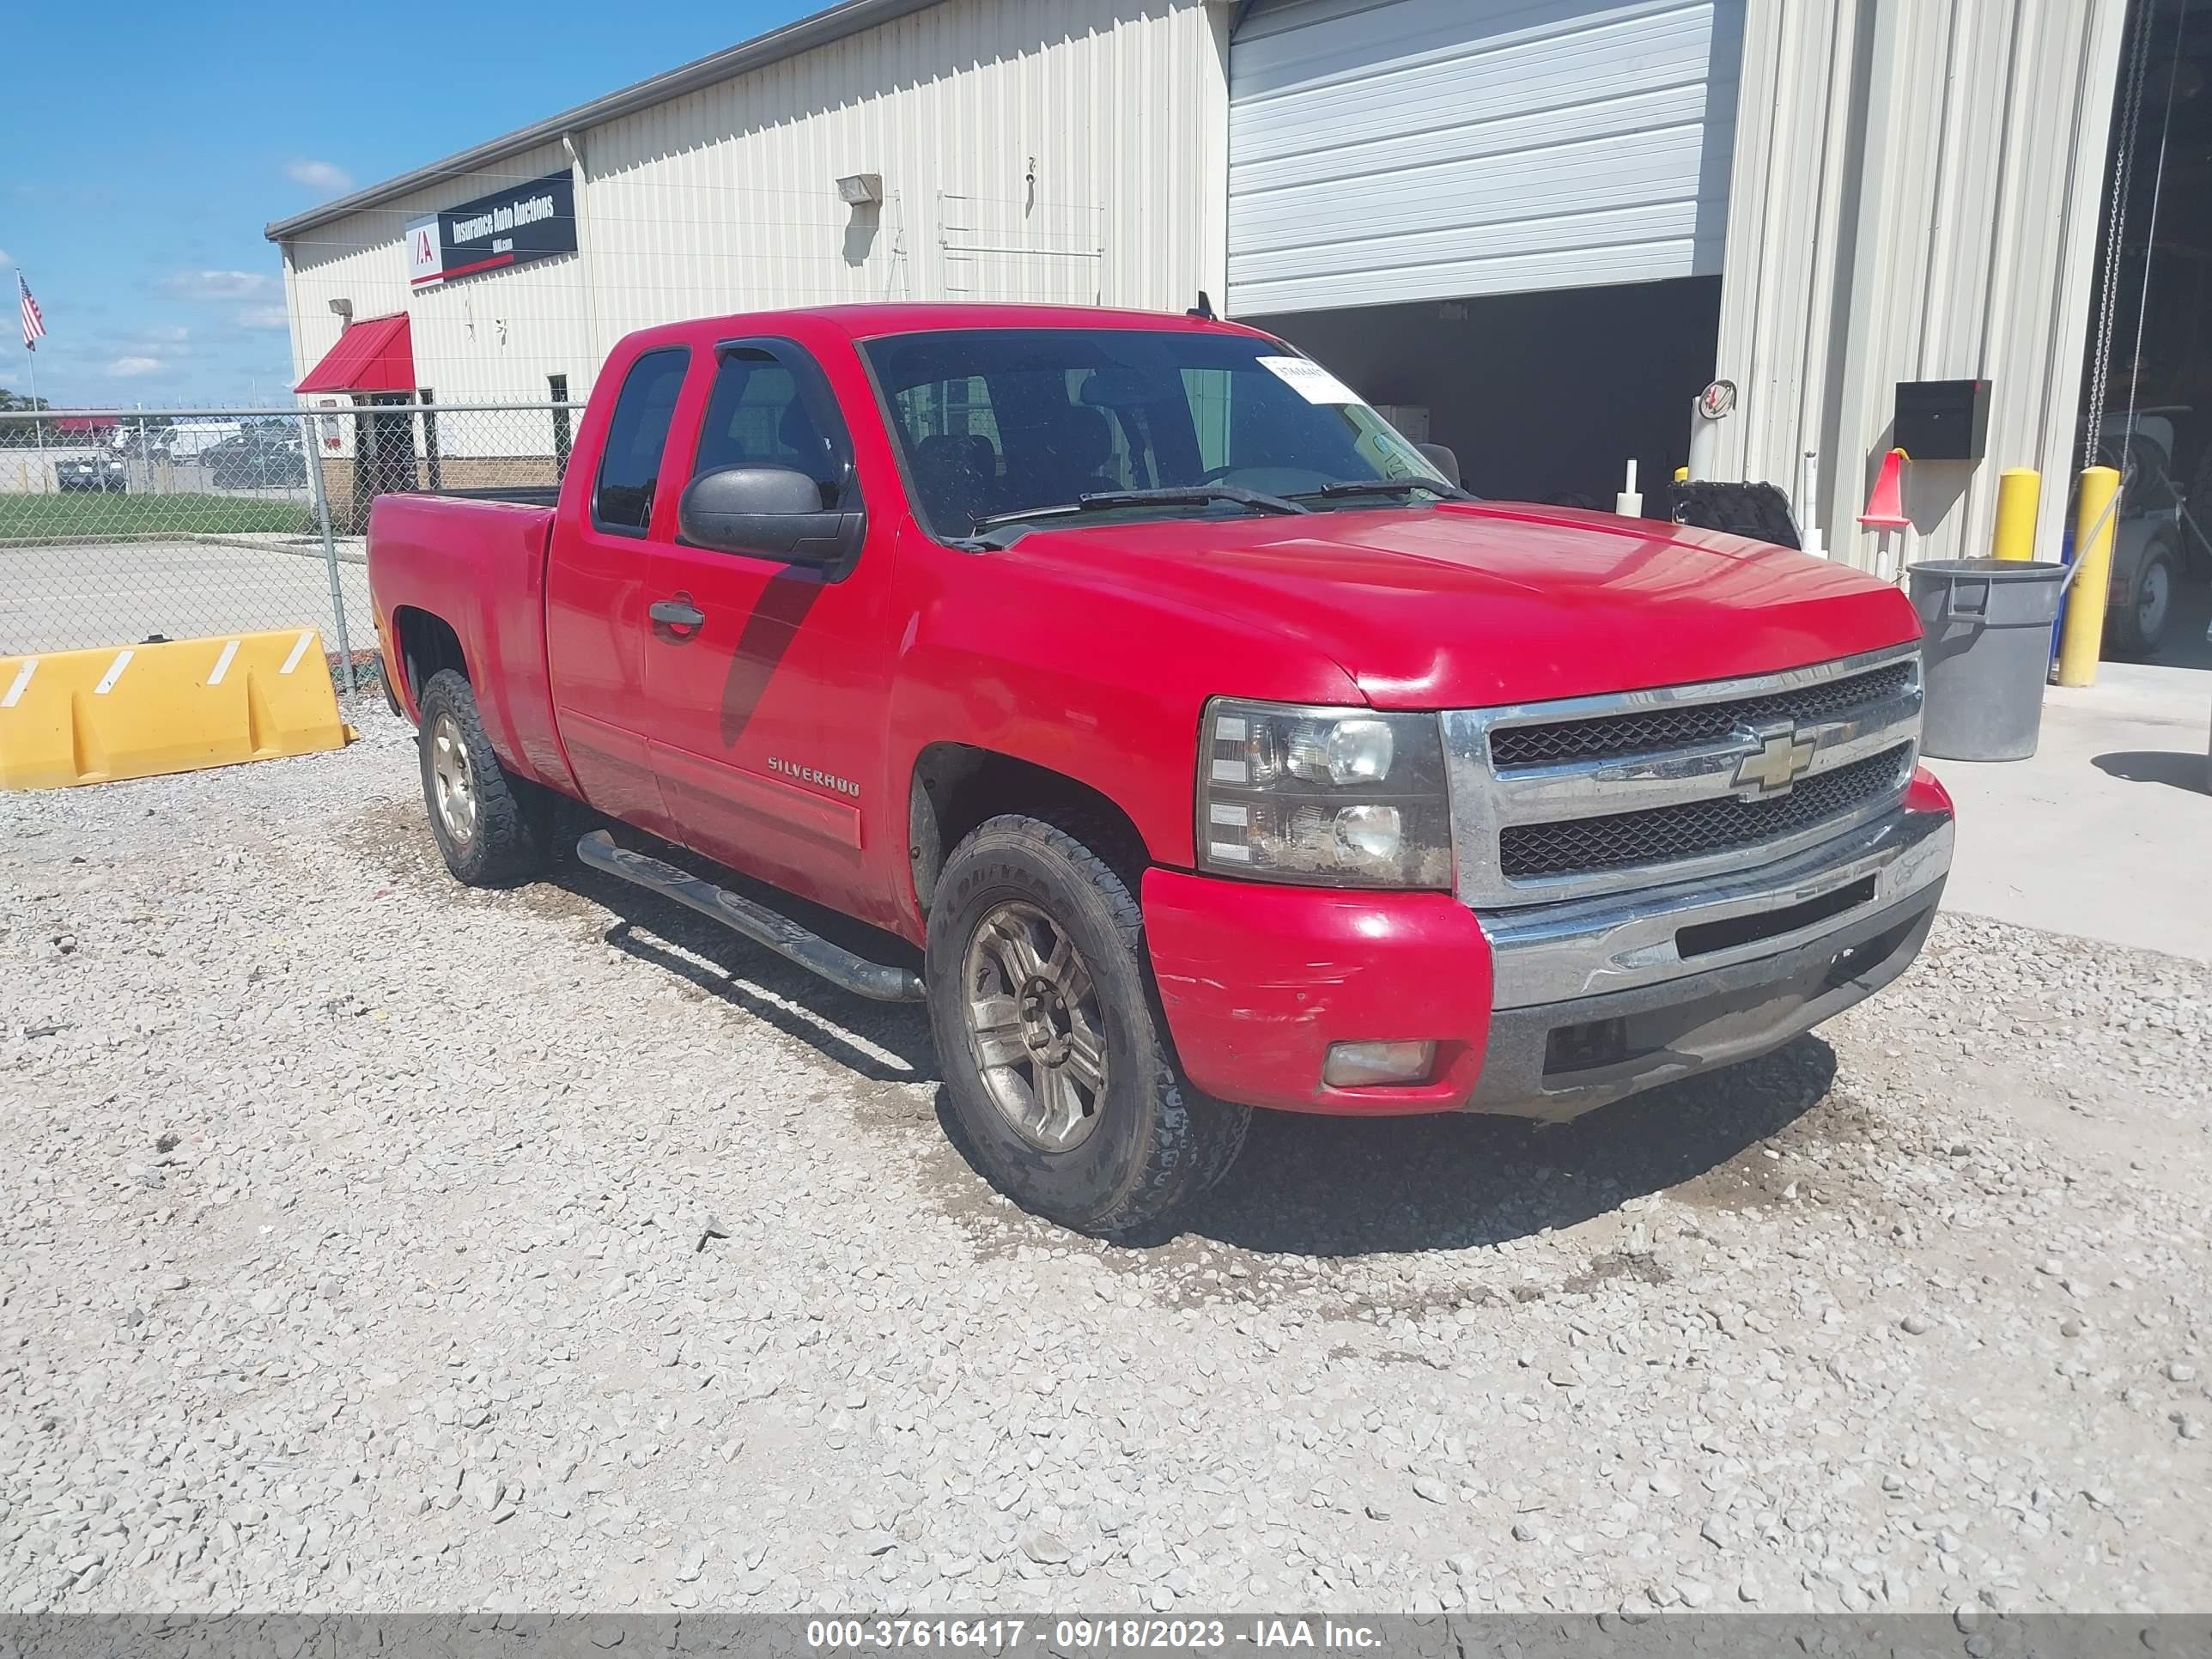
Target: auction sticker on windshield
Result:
[1309, 379]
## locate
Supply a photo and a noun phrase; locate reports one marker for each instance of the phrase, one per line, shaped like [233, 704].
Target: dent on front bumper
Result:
[1545, 1012]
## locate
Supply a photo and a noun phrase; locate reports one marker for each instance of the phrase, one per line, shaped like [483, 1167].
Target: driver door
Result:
[767, 693]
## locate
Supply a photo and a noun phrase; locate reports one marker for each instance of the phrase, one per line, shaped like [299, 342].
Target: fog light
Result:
[1363, 1065]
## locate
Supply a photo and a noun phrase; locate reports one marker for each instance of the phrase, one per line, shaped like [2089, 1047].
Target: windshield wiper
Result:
[1188, 496]
[1103, 501]
[1343, 487]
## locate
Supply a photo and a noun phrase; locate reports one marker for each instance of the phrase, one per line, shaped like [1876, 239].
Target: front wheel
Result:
[1054, 1055]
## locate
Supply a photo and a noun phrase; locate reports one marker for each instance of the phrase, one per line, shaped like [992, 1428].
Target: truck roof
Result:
[873, 321]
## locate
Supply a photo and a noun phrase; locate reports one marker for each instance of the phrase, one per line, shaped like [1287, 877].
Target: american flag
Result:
[34, 325]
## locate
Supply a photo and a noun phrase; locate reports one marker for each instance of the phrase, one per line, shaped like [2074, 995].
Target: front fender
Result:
[1100, 685]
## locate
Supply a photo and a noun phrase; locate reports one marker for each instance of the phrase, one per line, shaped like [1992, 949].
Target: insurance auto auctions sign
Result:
[533, 221]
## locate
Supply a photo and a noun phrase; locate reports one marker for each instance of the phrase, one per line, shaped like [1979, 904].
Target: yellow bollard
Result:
[2082, 643]
[2020, 493]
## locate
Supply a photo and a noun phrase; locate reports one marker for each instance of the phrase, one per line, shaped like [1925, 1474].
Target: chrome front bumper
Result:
[1599, 998]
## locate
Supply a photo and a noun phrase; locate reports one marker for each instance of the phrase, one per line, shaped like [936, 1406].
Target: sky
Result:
[139, 160]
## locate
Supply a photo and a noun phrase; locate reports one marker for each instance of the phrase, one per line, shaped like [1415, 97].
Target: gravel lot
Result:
[369, 1243]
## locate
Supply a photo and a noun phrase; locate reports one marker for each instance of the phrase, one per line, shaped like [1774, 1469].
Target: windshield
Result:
[998, 424]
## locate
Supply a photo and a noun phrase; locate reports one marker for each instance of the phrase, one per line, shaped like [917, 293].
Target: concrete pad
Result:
[2106, 832]
[76, 597]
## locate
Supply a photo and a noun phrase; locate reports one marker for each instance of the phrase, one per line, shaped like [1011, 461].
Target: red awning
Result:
[375, 354]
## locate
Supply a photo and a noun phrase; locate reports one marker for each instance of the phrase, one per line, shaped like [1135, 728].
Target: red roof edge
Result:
[375, 354]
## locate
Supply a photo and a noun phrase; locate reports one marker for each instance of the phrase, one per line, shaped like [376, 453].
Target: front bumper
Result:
[1543, 1011]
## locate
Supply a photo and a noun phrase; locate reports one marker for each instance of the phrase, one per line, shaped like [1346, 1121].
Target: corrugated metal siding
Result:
[1959, 148]
[1431, 149]
[1014, 164]
[1012, 168]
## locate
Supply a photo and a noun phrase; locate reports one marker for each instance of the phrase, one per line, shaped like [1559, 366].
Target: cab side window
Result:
[766, 411]
[621, 498]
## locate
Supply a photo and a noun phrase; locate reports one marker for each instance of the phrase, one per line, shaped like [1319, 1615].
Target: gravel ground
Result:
[373, 1245]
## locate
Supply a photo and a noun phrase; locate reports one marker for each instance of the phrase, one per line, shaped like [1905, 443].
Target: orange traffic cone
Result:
[1884, 508]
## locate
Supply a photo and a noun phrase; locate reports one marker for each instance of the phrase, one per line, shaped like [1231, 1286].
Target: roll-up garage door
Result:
[1384, 150]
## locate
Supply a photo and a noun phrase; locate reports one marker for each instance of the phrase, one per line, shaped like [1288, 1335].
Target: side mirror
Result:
[770, 511]
[1441, 457]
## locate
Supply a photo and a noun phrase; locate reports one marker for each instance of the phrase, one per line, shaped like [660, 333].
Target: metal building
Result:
[987, 148]
[1535, 228]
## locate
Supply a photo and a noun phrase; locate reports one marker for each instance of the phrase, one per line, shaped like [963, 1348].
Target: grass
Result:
[48, 517]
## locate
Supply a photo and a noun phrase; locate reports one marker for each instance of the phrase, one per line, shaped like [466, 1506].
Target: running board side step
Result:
[876, 980]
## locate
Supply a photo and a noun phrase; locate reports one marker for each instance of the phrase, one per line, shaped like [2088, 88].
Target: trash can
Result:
[1987, 627]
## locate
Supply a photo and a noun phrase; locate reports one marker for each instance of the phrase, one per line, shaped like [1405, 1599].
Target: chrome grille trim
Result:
[1686, 725]
[1486, 799]
[1559, 952]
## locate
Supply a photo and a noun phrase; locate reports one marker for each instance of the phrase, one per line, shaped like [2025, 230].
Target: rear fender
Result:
[480, 568]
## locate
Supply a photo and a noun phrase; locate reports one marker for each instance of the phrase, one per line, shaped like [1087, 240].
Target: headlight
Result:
[1336, 797]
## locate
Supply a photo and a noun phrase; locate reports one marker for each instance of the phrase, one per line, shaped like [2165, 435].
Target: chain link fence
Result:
[118, 526]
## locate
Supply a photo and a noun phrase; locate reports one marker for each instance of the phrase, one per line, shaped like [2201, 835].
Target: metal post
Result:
[2082, 642]
[1808, 506]
[2020, 493]
[38, 425]
[1629, 503]
[312, 452]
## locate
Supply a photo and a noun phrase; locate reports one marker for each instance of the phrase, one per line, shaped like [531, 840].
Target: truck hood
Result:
[1466, 605]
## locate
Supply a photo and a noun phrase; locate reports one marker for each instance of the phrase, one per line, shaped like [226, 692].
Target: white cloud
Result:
[319, 175]
[168, 336]
[128, 367]
[270, 316]
[6, 257]
[219, 284]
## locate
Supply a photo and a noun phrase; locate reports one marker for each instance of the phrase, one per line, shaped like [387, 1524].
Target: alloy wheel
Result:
[1034, 1026]
[452, 780]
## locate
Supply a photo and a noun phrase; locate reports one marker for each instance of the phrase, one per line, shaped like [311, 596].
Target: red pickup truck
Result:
[1199, 741]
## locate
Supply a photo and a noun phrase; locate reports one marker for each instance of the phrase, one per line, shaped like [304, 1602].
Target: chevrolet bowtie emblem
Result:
[1781, 759]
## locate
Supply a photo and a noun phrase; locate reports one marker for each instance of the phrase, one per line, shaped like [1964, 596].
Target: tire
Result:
[2140, 629]
[493, 830]
[1113, 1156]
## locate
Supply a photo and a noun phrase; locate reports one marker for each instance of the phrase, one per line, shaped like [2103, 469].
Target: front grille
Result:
[1660, 835]
[1605, 736]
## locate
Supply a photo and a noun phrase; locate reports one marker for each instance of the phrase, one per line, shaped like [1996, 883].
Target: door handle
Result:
[676, 613]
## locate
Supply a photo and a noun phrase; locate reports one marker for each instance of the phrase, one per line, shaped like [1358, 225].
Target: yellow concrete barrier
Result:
[135, 711]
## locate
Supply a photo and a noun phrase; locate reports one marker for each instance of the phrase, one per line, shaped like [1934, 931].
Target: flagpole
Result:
[31, 357]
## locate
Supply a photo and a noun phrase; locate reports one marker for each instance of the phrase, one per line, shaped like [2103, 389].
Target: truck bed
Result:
[513, 494]
[475, 560]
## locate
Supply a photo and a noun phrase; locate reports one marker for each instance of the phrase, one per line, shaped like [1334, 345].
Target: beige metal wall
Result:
[1915, 195]
[489, 338]
[1073, 151]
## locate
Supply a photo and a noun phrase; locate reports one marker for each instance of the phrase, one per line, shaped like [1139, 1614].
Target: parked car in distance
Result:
[1169, 725]
[255, 460]
[103, 472]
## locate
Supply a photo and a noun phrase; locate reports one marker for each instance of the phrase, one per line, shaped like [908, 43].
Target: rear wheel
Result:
[492, 830]
[1055, 1057]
